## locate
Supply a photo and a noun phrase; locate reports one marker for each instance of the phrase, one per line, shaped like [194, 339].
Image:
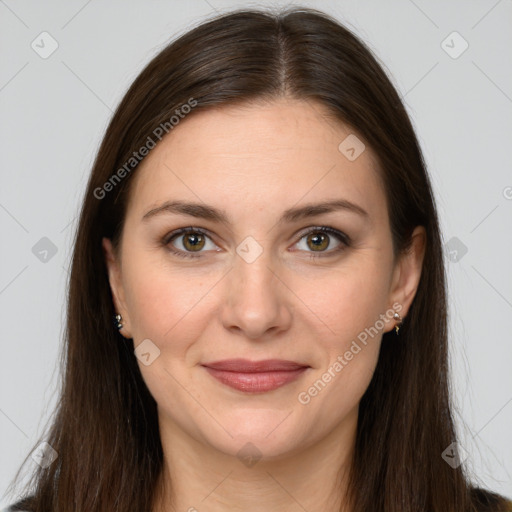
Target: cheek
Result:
[163, 302]
[350, 348]
[172, 309]
[347, 301]
[349, 304]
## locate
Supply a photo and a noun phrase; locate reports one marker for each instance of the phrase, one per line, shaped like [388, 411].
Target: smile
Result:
[257, 376]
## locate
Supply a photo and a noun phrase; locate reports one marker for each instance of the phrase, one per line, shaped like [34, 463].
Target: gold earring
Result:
[396, 316]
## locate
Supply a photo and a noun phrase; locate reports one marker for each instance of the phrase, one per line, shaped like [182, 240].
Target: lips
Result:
[255, 376]
[246, 366]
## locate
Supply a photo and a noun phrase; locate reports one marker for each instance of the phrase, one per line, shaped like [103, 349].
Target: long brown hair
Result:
[105, 429]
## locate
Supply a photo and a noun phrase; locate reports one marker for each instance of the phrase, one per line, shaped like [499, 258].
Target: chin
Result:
[268, 433]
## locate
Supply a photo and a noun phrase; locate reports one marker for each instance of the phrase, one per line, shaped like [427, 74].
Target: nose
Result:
[257, 300]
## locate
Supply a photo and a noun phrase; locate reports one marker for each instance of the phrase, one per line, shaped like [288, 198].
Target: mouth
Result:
[255, 376]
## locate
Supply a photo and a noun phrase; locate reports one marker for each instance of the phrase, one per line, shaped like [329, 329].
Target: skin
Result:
[254, 162]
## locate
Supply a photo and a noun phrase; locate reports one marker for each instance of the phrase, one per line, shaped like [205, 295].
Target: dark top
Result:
[484, 501]
[21, 506]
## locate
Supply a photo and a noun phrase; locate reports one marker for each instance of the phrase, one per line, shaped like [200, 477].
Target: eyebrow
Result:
[203, 211]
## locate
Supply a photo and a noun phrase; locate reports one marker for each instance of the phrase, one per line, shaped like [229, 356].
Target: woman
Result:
[260, 225]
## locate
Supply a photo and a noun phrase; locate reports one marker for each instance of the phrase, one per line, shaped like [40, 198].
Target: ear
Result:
[116, 285]
[407, 273]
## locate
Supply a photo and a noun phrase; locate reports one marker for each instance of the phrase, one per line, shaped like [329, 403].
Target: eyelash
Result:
[342, 237]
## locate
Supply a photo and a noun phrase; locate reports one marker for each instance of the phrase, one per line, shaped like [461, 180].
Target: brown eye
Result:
[323, 241]
[193, 241]
[317, 241]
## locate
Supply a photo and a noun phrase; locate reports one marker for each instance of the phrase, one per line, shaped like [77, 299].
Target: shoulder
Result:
[20, 506]
[482, 500]
[488, 501]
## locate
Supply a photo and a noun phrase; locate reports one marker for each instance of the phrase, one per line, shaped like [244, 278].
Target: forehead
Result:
[258, 154]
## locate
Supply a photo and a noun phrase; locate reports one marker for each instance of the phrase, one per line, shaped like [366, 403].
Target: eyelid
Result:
[169, 237]
[182, 231]
[325, 229]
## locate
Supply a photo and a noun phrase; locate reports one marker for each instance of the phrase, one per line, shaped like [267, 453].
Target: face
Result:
[249, 235]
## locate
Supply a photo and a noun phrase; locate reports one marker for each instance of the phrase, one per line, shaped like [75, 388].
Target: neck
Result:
[198, 477]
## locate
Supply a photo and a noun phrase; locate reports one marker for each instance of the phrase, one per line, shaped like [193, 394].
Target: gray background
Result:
[53, 114]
